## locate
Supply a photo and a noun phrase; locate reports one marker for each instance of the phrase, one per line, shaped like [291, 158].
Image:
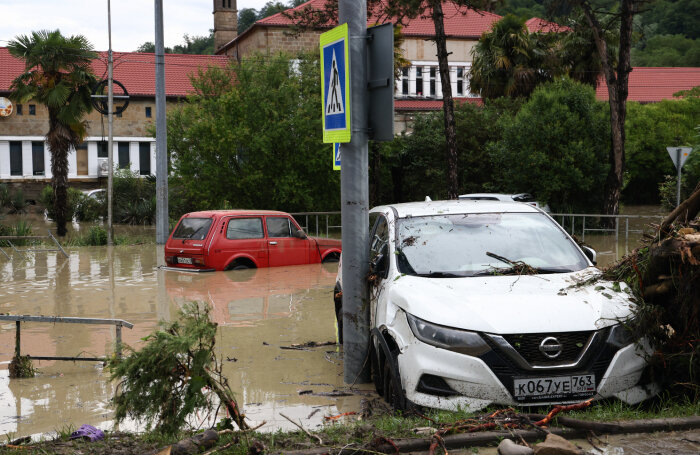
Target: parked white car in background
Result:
[520, 197]
[479, 302]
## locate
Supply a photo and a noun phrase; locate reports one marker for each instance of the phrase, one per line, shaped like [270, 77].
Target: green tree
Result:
[555, 147]
[198, 45]
[246, 18]
[509, 61]
[255, 143]
[57, 74]
[667, 50]
[650, 129]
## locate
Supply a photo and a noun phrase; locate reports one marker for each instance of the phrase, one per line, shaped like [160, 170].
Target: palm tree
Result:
[57, 74]
[510, 61]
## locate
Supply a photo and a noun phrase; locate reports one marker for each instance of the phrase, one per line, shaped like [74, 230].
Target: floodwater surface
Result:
[260, 312]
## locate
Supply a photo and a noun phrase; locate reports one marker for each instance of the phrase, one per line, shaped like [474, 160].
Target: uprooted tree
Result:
[174, 374]
[665, 276]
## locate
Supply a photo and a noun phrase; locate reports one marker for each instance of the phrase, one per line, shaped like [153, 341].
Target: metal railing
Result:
[595, 227]
[9, 238]
[118, 323]
[319, 221]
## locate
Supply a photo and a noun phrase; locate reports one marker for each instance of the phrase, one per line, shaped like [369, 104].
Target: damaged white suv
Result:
[479, 302]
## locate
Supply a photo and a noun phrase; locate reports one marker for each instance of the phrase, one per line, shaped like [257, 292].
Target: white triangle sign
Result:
[334, 100]
[674, 154]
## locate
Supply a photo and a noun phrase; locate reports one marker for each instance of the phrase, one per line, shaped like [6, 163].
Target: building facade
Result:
[24, 155]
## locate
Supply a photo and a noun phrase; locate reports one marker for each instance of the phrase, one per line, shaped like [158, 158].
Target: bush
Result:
[4, 195]
[556, 147]
[133, 198]
[18, 205]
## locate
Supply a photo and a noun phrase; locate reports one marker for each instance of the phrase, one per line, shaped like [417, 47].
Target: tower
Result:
[225, 22]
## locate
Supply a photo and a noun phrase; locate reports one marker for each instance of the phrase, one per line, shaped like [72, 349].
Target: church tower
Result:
[225, 22]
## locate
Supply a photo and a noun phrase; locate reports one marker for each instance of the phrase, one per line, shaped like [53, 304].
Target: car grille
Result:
[528, 346]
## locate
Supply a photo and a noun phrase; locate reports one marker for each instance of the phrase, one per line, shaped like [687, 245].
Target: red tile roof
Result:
[536, 24]
[459, 22]
[133, 69]
[648, 85]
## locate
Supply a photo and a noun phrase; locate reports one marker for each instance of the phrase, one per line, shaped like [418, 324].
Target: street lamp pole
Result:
[110, 131]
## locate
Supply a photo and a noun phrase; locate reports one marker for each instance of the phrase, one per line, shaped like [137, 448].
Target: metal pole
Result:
[110, 119]
[678, 184]
[162, 229]
[354, 197]
[17, 339]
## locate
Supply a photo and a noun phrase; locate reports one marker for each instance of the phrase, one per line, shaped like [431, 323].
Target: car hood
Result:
[560, 302]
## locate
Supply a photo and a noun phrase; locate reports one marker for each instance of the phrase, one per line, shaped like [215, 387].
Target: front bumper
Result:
[476, 382]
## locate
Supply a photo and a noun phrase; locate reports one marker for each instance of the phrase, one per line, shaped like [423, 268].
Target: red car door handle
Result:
[273, 243]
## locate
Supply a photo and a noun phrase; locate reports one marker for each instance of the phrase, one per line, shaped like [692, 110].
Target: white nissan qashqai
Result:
[479, 302]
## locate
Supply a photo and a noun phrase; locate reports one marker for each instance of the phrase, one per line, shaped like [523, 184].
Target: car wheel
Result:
[393, 393]
[240, 267]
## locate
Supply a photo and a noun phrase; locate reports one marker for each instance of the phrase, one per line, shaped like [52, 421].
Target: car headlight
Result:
[621, 335]
[462, 341]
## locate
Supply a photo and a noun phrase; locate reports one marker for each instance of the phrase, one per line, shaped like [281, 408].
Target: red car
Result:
[240, 239]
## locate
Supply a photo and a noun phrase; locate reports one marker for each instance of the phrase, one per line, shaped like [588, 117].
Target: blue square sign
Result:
[335, 85]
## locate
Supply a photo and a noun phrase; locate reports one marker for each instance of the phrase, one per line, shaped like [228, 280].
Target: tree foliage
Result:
[555, 148]
[174, 374]
[667, 50]
[251, 138]
[57, 74]
[199, 45]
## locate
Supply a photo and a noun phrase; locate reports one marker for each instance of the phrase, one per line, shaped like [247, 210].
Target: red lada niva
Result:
[238, 239]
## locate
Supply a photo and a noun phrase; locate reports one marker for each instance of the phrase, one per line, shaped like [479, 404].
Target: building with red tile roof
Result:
[650, 85]
[24, 159]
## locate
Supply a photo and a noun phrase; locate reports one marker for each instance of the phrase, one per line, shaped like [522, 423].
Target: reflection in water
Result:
[258, 312]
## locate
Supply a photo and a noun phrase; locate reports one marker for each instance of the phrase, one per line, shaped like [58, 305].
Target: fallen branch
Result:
[312, 436]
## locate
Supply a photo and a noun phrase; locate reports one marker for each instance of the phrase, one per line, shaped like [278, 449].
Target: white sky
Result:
[132, 20]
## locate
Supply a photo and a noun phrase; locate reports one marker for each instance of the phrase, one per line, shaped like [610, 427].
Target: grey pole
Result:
[162, 230]
[354, 198]
[110, 131]
[678, 184]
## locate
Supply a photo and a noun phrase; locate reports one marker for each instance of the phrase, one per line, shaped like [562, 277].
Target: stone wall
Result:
[272, 40]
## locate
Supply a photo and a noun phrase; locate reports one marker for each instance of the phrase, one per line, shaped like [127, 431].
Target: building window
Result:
[32, 109]
[419, 80]
[15, 158]
[102, 151]
[404, 81]
[124, 155]
[19, 109]
[433, 72]
[460, 81]
[145, 158]
[148, 112]
[38, 157]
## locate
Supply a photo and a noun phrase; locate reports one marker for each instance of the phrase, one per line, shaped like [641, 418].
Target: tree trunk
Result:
[617, 81]
[447, 101]
[59, 139]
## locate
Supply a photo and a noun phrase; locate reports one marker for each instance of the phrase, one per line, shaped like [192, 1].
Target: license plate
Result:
[184, 260]
[554, 387]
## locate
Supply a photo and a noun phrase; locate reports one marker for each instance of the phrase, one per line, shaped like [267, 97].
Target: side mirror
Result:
[300, 234]
[590, 254]
[378, 264]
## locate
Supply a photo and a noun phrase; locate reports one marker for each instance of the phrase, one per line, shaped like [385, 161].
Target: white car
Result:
[479, 302]
[520, 197]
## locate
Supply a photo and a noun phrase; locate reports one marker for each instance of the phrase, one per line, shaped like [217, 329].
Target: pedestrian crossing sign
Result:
[335, 85]
[336, 156]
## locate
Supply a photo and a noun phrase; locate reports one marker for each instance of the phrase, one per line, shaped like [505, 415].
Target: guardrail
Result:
[319, 221]
[8, 239]
[118, 323]
[571, 227]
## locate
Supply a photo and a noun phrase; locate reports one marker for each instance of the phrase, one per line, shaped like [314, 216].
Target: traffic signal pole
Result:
[354, 195]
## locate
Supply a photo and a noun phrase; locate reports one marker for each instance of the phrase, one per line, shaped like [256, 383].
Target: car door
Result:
[283, 247]
[241, 236]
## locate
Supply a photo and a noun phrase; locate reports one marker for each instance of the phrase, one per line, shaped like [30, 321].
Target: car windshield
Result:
[484, 244]
[192, 228]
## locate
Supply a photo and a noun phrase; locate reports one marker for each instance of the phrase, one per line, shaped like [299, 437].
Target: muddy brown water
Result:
[259, 312]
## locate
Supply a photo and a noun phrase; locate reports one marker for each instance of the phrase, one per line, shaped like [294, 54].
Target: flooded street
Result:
[259, 311]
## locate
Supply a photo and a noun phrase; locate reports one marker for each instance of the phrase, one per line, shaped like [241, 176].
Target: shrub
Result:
[4, 195]
[18, 204]
[133, 198]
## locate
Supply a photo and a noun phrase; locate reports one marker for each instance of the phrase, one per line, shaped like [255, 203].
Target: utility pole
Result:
[162, 220]
[354, 196]
[110, 131]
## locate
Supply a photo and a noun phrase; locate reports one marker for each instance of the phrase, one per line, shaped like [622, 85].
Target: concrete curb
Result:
[466, 440]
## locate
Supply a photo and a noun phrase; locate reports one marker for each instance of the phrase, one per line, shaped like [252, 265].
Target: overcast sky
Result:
[132, 20]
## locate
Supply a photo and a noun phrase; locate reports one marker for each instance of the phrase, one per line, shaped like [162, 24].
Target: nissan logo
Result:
[551, 347]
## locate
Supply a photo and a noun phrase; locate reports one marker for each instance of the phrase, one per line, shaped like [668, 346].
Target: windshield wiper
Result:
[544, 270]
[439, 275]
[516, 267]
